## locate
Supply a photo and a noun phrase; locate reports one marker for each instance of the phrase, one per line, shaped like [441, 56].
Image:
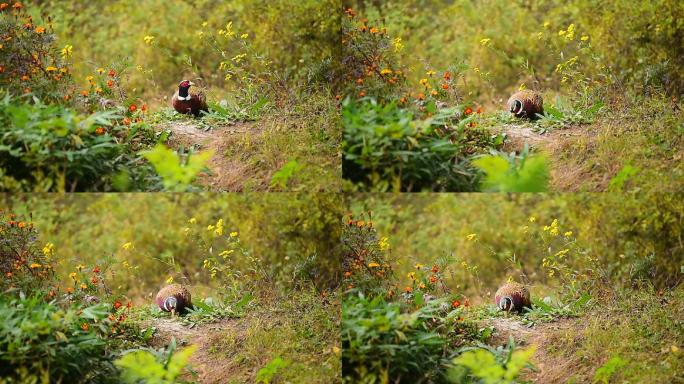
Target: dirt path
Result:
[228, 172]
[551, 368]
[211, 367]
[561, 147]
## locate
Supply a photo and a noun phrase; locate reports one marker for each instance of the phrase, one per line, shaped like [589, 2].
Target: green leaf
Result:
[281, 177]
[269, 371]
[607, 370]
[176, 175]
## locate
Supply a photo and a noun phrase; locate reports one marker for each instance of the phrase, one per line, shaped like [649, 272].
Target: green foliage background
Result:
[296, 35]
[633, 43]
[636, 237]
[288, 233]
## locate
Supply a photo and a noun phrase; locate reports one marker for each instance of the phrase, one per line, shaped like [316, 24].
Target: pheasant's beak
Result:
[192, 84]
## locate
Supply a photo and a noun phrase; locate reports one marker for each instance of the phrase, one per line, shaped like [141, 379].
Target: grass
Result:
[300, 329]
[641, 327]
[647, 136]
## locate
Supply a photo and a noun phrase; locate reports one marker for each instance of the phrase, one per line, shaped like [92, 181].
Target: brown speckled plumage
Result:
[512, 297]
[179, 293]
[526, 103]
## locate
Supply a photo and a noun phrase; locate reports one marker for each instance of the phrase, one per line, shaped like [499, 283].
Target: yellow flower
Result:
[169, 280]
[562, 32]
[411, 275]
[567, 234]
[398, 45]
[485, 42]
[386, 71]
[244, 36]
[430, 73]
[419, 266]
[373, 265]
[233, 234]
[83, 286]
[49, 249]
[471, 236]
[384, 244]
[148, 39]
[225, 254]
[219, 227]
[192, 220]
[80, 267]
[100, 70]
[35, 265]
[210, 227]
[205, 24]
[421, 286]
[424, 82]
[546, 24]
[532, 219]
[73, 275]
[51, 69]
[238, 58]
[127, 246]
[67, 51]
[584, 38]
[562, 253]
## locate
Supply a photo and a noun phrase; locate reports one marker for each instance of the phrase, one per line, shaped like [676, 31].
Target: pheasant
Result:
[185, 101]
[174, 298]
[526, 103]
[512, 297]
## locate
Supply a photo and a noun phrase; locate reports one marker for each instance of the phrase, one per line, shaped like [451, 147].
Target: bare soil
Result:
[211, 367]
[226, 172]
[552, 367]
[562, 146]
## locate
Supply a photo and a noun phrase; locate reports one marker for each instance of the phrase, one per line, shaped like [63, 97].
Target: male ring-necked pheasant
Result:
[512, 297]
[526, 103]
[174, 298]
[187, 101]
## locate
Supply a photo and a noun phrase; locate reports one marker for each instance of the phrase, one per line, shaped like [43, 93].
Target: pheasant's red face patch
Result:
[185, 83]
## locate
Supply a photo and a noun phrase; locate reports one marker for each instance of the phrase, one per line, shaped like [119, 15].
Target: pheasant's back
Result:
[182, 295]
[518, 294]
[530, 104]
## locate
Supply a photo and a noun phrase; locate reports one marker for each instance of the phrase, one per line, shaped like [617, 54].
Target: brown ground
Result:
[561, 146]
[227, 173]
[551, 367]
[211, 368]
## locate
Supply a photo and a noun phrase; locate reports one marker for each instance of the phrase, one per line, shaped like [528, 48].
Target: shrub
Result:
[30, 61]
[55, 148]
[387, 147]
[45, 342]
[379, 342]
